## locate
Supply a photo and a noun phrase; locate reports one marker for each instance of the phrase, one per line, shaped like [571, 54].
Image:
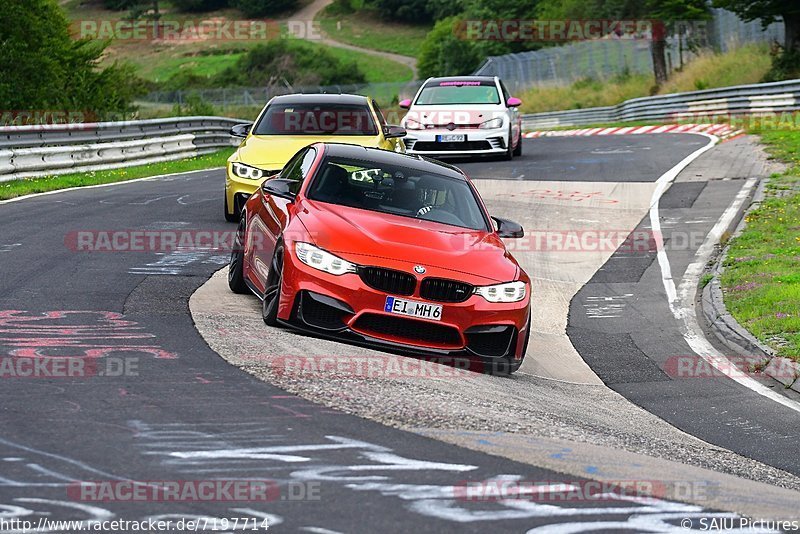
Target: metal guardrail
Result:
[41, 150]
[699, 106]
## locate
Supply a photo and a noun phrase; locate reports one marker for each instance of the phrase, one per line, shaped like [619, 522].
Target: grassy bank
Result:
[43, 184]
[747, 64]
[761, 280]
[367, 30]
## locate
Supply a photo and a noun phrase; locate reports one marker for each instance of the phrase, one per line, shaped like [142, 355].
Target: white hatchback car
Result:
[463, 115]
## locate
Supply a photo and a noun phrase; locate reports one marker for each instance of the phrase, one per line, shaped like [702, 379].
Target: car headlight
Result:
[411, 124]
[492, 123]
[322, 259]
[508, 292]
[246, 171]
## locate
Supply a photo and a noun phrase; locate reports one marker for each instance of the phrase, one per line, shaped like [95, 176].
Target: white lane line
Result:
[681, 302]
[110, 184]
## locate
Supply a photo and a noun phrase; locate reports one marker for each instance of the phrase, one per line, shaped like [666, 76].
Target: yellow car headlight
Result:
[247, 171]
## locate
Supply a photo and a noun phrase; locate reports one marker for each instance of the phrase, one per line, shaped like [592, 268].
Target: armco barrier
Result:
[699, 106]
[39, 150]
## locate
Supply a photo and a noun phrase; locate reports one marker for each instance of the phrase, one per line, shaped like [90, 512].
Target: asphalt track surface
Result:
[181, 413]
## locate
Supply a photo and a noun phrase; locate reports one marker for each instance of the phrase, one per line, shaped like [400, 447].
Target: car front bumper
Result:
[478, 141]
[346, 308]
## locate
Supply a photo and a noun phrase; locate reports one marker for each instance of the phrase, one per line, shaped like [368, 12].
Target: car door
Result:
[273, 214]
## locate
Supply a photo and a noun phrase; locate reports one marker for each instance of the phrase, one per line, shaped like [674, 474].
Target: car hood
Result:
[271, 152]
[363, 236]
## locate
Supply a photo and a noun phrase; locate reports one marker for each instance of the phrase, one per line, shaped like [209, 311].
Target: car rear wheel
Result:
[272, 294]
[236, 264]
[518, 150]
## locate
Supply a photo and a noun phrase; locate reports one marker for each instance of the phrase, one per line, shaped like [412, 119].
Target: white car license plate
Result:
[413, 308]
[451, 138]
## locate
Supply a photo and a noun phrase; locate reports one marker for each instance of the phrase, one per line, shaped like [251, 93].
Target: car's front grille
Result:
[388, 280]
[428, 146]
[490, 341]
[411, 330]
[443, 290]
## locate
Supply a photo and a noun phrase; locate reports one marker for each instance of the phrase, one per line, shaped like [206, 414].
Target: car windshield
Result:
[316, 119]
[458, 92]
[398, 190]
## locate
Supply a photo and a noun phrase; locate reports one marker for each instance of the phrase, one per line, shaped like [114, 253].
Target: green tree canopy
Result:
[45, 69]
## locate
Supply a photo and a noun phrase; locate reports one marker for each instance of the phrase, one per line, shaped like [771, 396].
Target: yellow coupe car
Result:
[290, 122]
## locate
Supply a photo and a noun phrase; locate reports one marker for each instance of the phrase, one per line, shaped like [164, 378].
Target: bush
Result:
[199, 6]
[194, 106]
[443, 53]
[263, 8]
[785, 65]
[298, 63]
[43, 68]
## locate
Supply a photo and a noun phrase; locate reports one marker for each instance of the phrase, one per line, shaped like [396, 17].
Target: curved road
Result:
[152, 401]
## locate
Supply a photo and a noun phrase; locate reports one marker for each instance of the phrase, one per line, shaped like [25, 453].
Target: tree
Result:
[45, 69]
[770, 11]
[444, 53]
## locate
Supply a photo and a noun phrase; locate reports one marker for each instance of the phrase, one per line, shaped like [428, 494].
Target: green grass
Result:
[375, 69]
[367, 30]
[27, 186]
[761, 279]
[747, 64]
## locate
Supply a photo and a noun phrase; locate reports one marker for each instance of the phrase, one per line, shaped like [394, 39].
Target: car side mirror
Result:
[405, 103]
[513, 102]
[241, 130]
[279, 187]
[391, 132]
[508, 229]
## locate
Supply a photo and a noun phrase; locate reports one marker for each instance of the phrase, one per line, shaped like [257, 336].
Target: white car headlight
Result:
[322, 259]
[246, 171]
[492, 123]
[508, 292]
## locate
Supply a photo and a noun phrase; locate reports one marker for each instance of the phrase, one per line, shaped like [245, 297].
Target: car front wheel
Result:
[272, 294]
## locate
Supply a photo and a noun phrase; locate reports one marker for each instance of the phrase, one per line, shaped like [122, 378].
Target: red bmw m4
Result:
[386, 250]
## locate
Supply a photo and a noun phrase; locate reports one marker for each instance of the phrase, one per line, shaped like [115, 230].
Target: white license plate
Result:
[413, 308]
[451, 138]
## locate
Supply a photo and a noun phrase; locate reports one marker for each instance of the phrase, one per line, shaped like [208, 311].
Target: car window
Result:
[298, 167]
[316, 119]
[506, 94]
[458, 92]
[378, 112]
[398, 190]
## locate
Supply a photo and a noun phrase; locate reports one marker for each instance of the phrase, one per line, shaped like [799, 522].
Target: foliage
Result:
[443, 53]
[297, 63]
[263, 8]
[43, 68]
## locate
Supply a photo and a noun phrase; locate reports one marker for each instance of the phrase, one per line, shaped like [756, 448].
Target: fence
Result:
[605, 58]
[697, 106]
[384, 93]
[29, 151]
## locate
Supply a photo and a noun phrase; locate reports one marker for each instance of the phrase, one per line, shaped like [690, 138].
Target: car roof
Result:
[489, 79]
[387, 157]
[321, 98]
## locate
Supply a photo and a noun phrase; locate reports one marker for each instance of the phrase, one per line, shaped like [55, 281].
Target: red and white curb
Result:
[723, 131]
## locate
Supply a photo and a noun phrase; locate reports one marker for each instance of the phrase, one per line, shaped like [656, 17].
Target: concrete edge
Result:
[725, 327]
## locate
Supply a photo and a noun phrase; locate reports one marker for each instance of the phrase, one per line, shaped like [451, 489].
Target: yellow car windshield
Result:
[315, 119]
